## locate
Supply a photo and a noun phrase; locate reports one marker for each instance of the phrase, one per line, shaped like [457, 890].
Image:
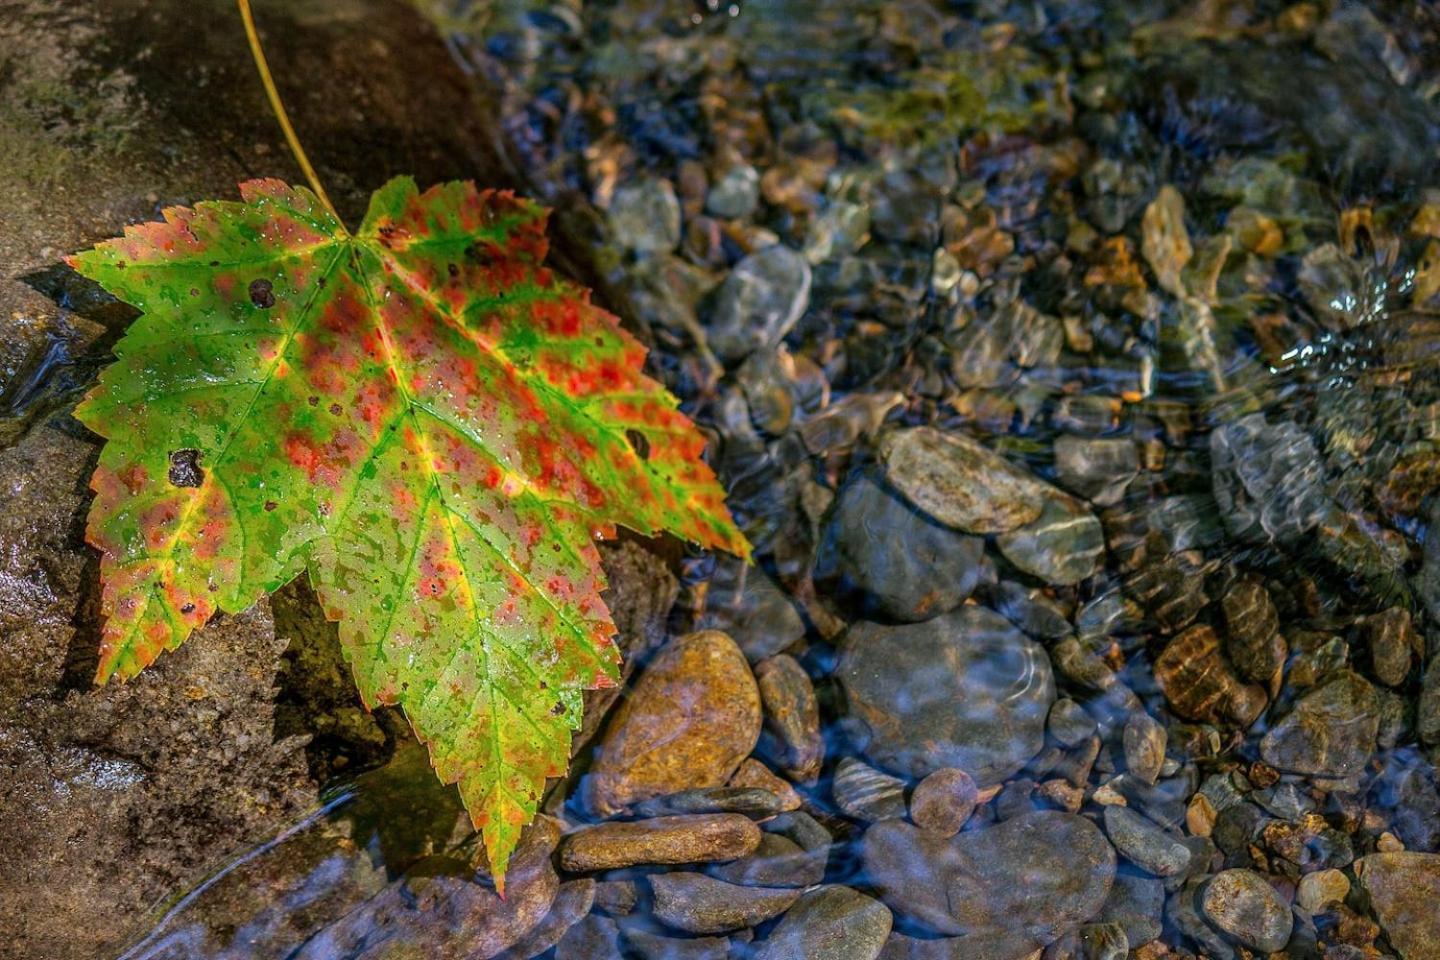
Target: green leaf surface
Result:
[420, 415]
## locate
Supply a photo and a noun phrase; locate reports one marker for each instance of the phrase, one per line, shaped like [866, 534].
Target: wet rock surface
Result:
[696, 903]
[696, 839]
[964, 690]
[473, 920]
[1003, 890]
[1109, 335]
[1402, 887]
[693, 715]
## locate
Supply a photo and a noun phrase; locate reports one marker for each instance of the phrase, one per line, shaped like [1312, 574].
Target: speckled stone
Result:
[699, 904]
[1242, 904]
[702, 838]
[943, 801]
[1404, 889]
[829, 923]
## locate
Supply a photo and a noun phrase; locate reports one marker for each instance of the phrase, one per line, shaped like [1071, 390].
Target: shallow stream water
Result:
[1074, 369]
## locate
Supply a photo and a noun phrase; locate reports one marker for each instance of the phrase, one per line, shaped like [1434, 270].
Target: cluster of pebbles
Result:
[1076, 373]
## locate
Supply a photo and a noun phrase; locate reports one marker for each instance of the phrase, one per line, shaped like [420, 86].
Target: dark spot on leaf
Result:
[262, 294]
[477, 255]
[214, 263]
[335, 409]
[120, 264]
[558, 709]
[321, 283]
[213, 587]
[188, 608]
[313, 401]
[599, 341]
[270, 505]
[194, 291]
[453, 270]
[185, 468]
[639, 443]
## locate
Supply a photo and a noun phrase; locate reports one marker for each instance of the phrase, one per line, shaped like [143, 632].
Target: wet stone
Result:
[1096, 469]
[1171, 590]
[865, 793]
[1137, 904]
[1392, 641]
[755, 613]
[802, 829]
[1252, 631]
[964, 690]
[735, 194]
[616, 897]
[792, 717]
[434, 910]
[699, 904]
[1403, 888]
[595, 937]
[1242, 904]
[1031, 610]
[1087, 414]
[572, 902]
[1200, 684]
[1144, 843]
[904, 563]
[752, 774]
[652, 946]
[645, 216]
[754, 802]
[777, 862]
[1267, 479]
[959, 482]
[1001, 891]
[1103, 941]
[943, 801]
[1320, 888]
[759, 302]
[692, 716]
[829, 923]
[1062, 546]
[1069, 724]
[1329, 733]
[1144, 745]
[663, 840]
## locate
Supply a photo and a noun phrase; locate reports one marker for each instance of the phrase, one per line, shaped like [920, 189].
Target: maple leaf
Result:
[420, 415]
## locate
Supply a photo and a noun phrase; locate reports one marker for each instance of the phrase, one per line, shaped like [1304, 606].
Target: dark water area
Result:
[1074, 369]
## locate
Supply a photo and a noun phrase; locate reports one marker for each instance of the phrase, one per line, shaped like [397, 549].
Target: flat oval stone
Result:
[696, 903]
[693, 715]
[1330, 733]
[1244, 905]
[964, 690]
[1063, 545]
[829, 923]
[1004, 891]
[703, 838]
[1144, 843]
[960, 482]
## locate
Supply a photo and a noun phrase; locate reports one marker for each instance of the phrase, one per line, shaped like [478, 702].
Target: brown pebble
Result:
[753, 773]
[702, 838]
[943, 801]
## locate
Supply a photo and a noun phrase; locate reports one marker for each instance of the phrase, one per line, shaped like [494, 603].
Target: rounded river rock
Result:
[964, 690]
[691, 718]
